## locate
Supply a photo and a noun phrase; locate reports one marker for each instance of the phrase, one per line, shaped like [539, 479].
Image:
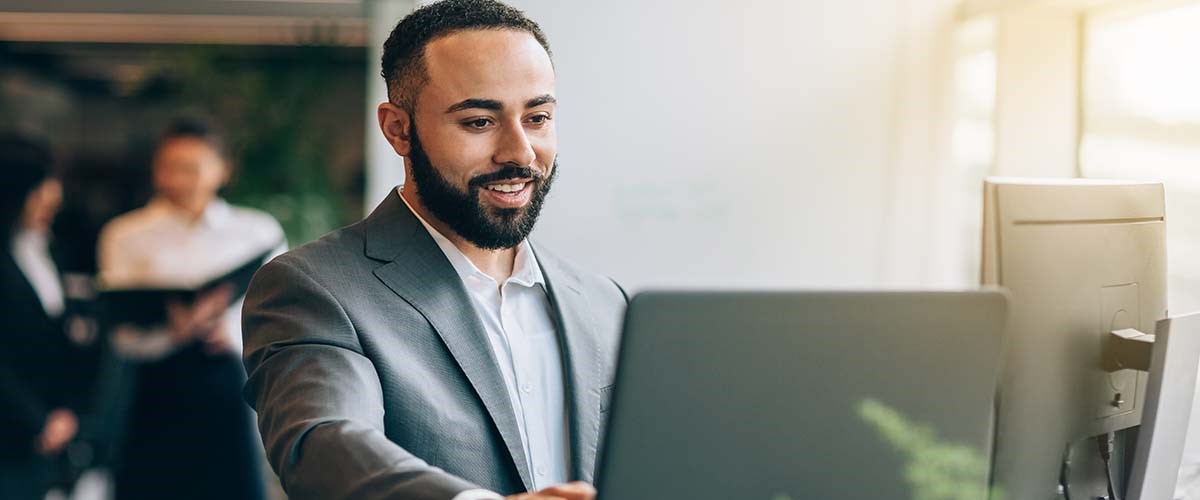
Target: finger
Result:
[217, 297]
[581, 487]
[569, 493]
[564, 495]
[209, 328]
[48, 444]
[217, 347]
[571, 496]
[572, 488]
[71, 428]
[212, 309]
[177, 315]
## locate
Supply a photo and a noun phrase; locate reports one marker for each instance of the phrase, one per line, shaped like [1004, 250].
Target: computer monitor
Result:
[804, 395]
[1169, 397]
[1081, 258]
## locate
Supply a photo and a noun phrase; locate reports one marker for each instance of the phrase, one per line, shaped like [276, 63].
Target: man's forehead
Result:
[505, 65]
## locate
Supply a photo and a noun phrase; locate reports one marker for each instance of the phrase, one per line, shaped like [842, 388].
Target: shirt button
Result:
[541, 471]
[527, 388]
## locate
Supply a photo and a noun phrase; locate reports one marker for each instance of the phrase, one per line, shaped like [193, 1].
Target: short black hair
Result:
[191, 127]
[24, 164]
[404, 51]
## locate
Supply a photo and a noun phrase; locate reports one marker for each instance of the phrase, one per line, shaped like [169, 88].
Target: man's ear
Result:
[396, 125]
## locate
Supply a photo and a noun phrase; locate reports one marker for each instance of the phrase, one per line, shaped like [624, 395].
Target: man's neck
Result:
[192, 209]
[495, 263]
[31, 226]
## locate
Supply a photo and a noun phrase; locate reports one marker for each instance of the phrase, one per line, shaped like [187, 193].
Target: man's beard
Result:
[486, 227]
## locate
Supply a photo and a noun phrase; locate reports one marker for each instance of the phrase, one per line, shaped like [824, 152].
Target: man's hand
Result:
[198, 320]
[217, 341]
[577, 490]
[61, 425]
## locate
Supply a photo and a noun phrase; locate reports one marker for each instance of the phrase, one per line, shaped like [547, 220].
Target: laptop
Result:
[804, 395]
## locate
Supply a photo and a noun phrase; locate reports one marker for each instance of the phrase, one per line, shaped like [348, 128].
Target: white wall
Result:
[1037, 112]
[384, 168]
[768, 143]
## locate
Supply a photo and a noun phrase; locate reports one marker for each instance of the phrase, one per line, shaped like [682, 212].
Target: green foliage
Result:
[936, 470]
[273, 112]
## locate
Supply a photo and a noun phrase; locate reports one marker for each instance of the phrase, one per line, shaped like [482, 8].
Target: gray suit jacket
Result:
[373, 377]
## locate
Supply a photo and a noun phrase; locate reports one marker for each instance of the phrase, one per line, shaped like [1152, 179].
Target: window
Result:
[974, 132]
[1141, 111]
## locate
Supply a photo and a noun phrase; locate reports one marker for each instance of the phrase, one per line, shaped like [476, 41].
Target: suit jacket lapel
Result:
[25, 297]
[581, 363]
[418, 272]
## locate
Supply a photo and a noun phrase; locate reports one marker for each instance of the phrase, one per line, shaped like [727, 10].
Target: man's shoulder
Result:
[328, 255]
[254, 218]
[129, 223]
[591, 282]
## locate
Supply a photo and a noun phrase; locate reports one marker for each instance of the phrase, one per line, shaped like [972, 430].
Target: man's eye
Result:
[478, 123]
[539, 119]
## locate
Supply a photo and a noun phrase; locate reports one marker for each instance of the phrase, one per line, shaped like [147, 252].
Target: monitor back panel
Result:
[1080, 258]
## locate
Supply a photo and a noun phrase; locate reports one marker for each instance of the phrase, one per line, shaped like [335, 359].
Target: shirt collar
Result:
[217, 213]
[32, 240]
[526, 271]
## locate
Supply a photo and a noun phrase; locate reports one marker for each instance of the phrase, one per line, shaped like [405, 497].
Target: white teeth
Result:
[507, 188]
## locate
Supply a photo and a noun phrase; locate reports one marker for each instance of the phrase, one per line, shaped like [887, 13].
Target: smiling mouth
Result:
[508, 193]
[508, 186]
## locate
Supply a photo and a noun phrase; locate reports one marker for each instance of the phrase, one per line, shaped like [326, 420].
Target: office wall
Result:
[762, 143]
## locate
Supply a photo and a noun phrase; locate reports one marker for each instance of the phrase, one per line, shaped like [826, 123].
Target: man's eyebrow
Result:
[540, 100]
[490, 104]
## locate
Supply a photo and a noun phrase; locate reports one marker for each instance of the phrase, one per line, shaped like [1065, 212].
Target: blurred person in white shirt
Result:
[189, 432]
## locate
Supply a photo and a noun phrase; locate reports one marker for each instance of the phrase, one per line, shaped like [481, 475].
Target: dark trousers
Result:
[190, 433]
[25, 480]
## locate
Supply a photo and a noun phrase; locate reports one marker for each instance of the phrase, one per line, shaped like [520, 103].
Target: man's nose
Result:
[514, 147]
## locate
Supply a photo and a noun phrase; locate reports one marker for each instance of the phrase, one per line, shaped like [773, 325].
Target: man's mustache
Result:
[506, 173]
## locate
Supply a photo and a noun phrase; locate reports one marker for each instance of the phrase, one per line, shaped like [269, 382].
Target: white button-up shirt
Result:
[518, 318]
[31, 251]
[160, 245]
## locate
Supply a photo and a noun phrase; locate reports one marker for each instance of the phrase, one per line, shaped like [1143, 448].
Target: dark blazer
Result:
[33, 354]
[373, 377]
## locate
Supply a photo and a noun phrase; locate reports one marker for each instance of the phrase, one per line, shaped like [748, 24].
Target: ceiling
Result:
[301, 8]
[250, 22]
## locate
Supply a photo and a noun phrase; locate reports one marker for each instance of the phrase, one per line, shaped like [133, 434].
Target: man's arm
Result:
[319, 401]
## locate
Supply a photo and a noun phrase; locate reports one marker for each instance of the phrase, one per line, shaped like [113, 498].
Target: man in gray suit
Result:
[431, 351]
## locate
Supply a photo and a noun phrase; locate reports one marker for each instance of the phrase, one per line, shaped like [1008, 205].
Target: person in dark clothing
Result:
[36, 422]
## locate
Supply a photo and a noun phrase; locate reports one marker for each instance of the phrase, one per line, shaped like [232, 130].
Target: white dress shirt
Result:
[160, 245]
[31, 250]
[521, 331]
